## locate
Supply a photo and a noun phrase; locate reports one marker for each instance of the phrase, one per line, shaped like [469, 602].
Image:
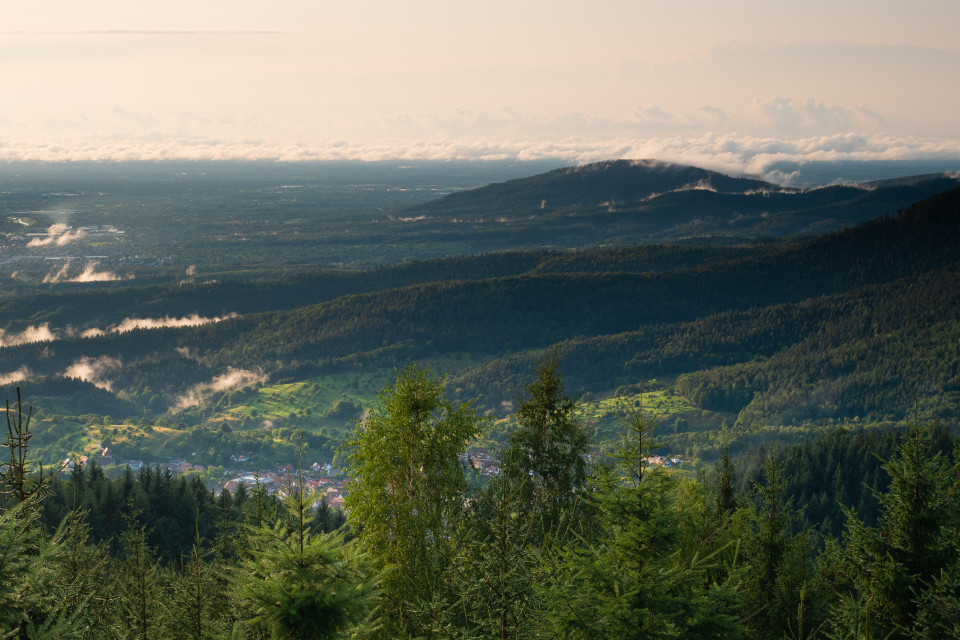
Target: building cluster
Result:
[662, 461]
[481, 460]
[319, 477]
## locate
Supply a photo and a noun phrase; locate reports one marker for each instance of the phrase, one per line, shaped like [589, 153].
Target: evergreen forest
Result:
[851, 535]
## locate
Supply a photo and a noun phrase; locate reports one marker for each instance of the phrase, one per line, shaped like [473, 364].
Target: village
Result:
[320, 476]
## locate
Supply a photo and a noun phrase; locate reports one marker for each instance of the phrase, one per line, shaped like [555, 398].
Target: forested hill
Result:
[856, 305]
[506, 314]
[598, 184]
[629, 202]
[88, 309]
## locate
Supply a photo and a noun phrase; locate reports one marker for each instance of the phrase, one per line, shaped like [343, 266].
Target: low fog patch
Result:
[15, 376]
[193, 320]
[131, 324]
[93, 370]
[232, 379]
[58, 234]
[39, 333]
[90, 273]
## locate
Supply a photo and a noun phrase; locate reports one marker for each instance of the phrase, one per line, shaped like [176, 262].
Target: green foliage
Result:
[199, 606]
[31, 603]
[545, 456]
[640, 576]
[140, 610]
[83, 575]
[782, 594]
[496, 566]
[895, 567]
[407, 495]
[297, 585]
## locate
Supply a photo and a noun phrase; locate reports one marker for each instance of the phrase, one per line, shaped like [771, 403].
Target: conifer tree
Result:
[892, 572]
[31, 604]
[497, 566]
[140, 603]
[782, 588]
[83, 575]
[199, 604]
[642, 577]
[545, 455]
[297, 585]
[31, 595]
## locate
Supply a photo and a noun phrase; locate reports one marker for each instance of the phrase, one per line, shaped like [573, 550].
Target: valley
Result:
[165, 313]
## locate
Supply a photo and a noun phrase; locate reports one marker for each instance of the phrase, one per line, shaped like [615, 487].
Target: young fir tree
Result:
[297, 585]
[31, 599]
[642, 577]
[891, 574]
[83, 575]
[407, 497]
[497, 566]
[545, 456]
[139, 610]
[782, 591]
[199, 604]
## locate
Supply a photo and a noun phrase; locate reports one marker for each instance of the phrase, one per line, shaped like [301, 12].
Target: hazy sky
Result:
[730, 83]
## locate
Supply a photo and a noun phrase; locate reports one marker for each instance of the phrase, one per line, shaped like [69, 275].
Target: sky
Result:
[733, 85]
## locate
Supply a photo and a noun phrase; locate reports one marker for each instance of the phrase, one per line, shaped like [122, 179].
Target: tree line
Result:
[560, 543]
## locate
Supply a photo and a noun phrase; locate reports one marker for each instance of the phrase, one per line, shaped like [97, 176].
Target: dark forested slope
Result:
[631, 202]
[751, 327]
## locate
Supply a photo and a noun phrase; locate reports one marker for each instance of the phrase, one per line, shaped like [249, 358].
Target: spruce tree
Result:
[140, 604]
[892, 572]
[644, 575]
[297, 585]
[545, 459]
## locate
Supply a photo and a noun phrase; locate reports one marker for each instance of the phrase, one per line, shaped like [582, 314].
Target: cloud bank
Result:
[673, 141]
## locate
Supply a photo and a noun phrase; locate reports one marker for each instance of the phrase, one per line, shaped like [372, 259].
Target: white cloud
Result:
[129, 324]
[57, 234]
[39, 333]
[89, 274]
[93, 370]
[15, 376]
[232, 379]
[707, 136]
